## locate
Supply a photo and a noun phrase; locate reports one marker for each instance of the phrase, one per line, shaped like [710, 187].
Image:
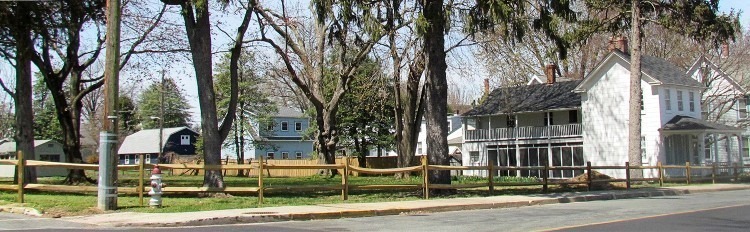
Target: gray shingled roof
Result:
[682, 123]
[10, 146]
[529, 98]
[288, 112]
[663, 71]
[147, 141]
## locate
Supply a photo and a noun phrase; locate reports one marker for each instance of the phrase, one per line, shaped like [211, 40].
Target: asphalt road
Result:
[718, 211]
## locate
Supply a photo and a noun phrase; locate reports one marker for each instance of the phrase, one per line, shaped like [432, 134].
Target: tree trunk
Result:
[327, 139]
[23, 99]
[437, 91]
[241, 124]
[198, 29]
[634, 111]
[410, 115]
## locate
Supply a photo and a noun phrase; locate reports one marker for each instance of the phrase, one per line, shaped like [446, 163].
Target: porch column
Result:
[489, 123]
[518, 159]
[729, 149]
[715, 148]
[702, 147]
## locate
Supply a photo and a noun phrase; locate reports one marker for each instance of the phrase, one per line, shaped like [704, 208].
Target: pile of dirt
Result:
[595, 185]
[57, 212]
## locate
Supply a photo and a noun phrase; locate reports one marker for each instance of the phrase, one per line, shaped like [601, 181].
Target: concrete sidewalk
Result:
[331, 211]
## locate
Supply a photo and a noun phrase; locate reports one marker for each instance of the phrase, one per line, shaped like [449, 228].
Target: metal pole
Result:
[161, 116]
[107, 194]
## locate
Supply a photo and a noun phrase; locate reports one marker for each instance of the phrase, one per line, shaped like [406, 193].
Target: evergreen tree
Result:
[175, 106]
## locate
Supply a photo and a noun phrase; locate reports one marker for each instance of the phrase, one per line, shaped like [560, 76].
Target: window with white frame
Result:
[741, 108]
[298, 126]
[270, 155]
[148, 158]
[284, 155]
[137, 159]
[679, 100]
[691, 101]
[474, 157]
[643, 146]
[419, 148]
[184, 139]
[668, 99]
[566, 155]
[127, 159]
[298, 155]
[284, 126]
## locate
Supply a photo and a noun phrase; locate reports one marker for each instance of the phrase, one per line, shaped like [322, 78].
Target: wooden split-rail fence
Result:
[345, 169]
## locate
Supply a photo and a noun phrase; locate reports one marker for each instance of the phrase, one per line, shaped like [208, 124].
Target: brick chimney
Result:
[724, 50]
[549, 71]
[619, 43]
[486, 86]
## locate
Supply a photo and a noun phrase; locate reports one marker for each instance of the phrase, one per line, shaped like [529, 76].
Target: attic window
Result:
[184, 139]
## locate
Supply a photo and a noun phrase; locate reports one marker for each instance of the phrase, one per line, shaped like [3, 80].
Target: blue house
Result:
[178, 140]
[281, 136]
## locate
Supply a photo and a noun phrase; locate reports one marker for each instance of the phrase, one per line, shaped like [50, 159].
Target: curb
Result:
[20, 210]
[351, 213]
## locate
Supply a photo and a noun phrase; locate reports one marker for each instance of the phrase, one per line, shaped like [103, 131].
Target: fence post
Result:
[713, 173]
[345, 179]
[426, 178]
[20, 166]
[687, 172]
[627, 175]
[736, 172]
[491, 176]
[260, 180]
[661, 174]
[140, 179]
[545, 178]
[588, 174]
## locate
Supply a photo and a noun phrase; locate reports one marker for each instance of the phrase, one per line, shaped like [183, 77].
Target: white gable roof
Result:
[703, 60]
[147, 141]
[11, 146]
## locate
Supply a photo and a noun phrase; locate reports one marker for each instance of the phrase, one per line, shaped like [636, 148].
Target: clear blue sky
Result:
[738, 5]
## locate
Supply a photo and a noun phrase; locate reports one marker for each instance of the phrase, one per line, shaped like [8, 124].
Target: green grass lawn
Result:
[62, 204]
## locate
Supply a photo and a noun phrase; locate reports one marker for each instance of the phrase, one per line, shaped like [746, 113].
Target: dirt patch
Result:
[595, 185]
[57, 212]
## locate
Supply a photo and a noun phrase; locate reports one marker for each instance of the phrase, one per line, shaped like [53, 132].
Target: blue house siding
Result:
[290, 130]
[289, 147]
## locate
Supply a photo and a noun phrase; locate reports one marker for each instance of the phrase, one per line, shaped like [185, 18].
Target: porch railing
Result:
[528, 132]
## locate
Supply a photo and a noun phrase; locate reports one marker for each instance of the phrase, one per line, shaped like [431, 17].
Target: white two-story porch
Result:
[521, 126]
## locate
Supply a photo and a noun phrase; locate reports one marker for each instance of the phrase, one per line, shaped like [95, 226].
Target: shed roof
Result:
[147, 141]
[529, 98]
[686, 123]
[10, 146]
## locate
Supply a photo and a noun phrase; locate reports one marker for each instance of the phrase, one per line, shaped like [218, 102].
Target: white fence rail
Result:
[528, 132]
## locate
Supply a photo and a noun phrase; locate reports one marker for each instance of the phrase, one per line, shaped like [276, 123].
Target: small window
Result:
[184, 139]
[643, 146]
[269, 126]
[127, 159]
[691, 101]
[136, 159]
[284, 126]
[668, 99]
[641, 100]
[573, 116]
[419, 148]
[270, 155]
[474, 157]
[284, 155]
[679, 100]
[298, 155]
[50, 145]
[148, 158]
[548, 120]
[298, 126]
[50, 158]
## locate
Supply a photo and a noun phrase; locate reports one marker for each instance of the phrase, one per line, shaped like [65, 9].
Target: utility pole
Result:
[161, 117]
[107, 189]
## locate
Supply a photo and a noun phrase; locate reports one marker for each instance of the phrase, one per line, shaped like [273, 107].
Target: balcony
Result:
[528, 132]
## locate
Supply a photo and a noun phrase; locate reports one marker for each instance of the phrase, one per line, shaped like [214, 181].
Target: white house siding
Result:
[650, 123]
[605, 131]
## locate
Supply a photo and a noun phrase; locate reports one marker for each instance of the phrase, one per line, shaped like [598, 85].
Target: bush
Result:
[92, 159]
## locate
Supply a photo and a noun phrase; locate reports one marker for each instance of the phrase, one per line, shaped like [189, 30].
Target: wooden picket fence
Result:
[346, 169]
